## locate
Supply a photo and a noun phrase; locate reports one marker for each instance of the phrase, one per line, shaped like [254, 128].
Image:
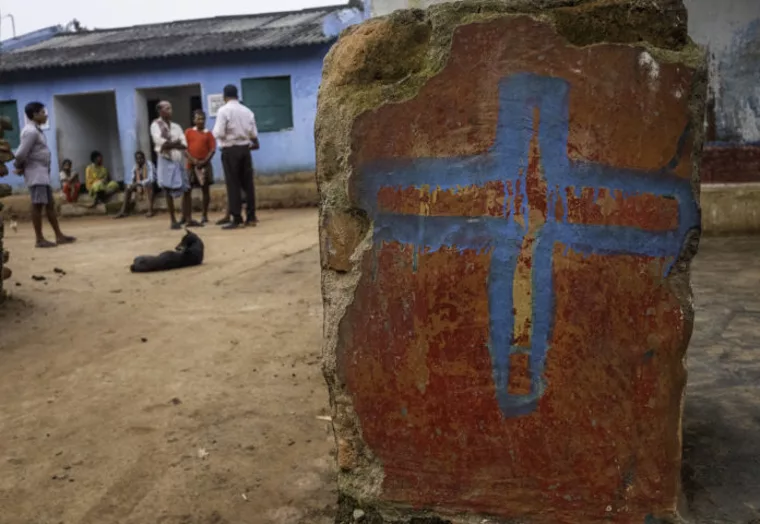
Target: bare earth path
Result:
[192, 397]
[115, 386]
[722, 413]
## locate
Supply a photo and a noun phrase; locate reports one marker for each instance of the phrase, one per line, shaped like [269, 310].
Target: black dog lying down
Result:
[188, 253]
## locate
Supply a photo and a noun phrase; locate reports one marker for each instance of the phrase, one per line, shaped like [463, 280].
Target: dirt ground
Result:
[721, 474]
[188, 397]
[193, 397]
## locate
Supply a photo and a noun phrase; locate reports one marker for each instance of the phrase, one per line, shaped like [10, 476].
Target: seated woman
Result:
[143, 181]
[96, 180]
[69, 182]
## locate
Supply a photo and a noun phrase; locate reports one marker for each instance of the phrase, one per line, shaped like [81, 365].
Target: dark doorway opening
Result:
[185, 101]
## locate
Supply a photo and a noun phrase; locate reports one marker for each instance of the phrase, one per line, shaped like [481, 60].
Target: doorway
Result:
[184, 100]
[85, 123]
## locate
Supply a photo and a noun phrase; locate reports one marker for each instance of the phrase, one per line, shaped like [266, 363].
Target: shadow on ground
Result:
[721, 474]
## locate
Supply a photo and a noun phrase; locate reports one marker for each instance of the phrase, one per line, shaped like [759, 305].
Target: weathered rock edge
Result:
[387, 60]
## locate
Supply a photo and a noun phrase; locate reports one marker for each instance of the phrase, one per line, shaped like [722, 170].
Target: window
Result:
[270, 100]
[10, 109]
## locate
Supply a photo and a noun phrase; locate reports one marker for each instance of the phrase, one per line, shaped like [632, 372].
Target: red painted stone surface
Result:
[413, 352]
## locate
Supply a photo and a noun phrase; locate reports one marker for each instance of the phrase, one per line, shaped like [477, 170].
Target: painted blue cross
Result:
[518, 96]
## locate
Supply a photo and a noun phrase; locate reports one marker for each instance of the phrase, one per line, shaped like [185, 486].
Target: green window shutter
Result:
[271, 101]
[10, 109]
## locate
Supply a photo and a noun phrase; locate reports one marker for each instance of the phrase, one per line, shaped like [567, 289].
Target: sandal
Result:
[44, 244]
[66, 240]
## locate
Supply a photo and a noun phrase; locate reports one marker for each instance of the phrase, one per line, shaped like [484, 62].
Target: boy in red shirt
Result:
[201, 148]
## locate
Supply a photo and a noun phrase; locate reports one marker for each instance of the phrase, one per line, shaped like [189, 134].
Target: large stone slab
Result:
[508, 215]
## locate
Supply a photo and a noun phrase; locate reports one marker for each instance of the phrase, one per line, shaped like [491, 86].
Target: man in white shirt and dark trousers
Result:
[236, 135]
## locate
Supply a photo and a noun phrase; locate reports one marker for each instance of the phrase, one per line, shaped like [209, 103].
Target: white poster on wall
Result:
[215, 101]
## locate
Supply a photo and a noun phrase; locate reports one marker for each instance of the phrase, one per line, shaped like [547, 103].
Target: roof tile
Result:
[173, 39]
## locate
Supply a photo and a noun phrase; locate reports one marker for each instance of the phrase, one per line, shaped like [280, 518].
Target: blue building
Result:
[101, 86]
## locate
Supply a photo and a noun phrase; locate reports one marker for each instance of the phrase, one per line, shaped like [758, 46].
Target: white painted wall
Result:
[730, 29]
[86, 123]
[142, 123]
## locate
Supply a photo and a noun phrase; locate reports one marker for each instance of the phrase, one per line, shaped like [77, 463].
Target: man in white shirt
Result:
[236, 135]
[170, 145]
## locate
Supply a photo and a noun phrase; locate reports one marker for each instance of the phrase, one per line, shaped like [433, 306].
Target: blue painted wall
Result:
[281, 152]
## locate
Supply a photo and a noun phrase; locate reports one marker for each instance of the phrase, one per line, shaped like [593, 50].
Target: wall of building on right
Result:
[730, 30]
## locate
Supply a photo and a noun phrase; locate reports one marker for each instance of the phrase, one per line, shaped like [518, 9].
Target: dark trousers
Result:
[238, 176]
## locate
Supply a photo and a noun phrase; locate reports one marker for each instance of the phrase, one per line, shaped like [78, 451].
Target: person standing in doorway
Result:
[33, 162]
[170, 143]
[201, 148]
[235, 132]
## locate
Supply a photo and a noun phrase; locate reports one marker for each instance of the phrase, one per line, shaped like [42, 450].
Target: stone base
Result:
[730, 209]
[351, 512]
